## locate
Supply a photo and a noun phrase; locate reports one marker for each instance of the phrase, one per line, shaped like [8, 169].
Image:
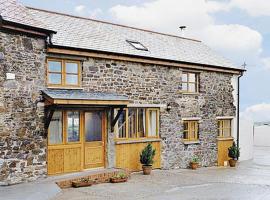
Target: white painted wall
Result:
[246, 139]
[262, 136]
[246, 128]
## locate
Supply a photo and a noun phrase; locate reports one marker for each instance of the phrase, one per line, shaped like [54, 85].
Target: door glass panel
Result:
[132, 118]
[152, 128]
[73, 126]
[120, 127]
[55, 128]
[141, 122]
[93, 126]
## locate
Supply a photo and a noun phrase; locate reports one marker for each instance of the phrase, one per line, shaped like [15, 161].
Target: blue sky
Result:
[238, 29]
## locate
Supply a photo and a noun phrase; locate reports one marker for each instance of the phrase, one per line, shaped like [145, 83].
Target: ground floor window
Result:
[64, 127]
[191, 130]
[224, 128]
[137, 123]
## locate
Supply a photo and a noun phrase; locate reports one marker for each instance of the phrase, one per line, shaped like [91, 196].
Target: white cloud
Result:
[253, 7]
[96, 12]
[80, 9]
[258, 112]
[168, 15]
[266, 63]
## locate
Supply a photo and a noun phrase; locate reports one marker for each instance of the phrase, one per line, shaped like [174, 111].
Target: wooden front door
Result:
[94, 139]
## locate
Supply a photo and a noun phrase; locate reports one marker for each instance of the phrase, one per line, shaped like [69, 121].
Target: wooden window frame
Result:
[63, 73]
[137, 124]
[189, 82]
[64, 129]
[222, 128]
[188, 131]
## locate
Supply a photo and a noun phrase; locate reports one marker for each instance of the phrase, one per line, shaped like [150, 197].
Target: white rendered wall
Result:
[262, 136]
[246, 128]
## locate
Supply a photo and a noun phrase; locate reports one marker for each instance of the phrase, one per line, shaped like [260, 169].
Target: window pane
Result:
[141, 122]
[55, 128]
[152, 126]
[185, 135]
[54, 66]
[192, 87]
[72, 68]
[132, 125]
[71, 79]
[93, 126]
[227, 132]
[73, 124]
[55, 78]
[184, 86]
[184, 77]
[192, 77]
[227, 123]
[121, 125]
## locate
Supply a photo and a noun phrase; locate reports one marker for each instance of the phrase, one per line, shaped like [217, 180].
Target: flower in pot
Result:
[194, 163]
[119, 178]
[146, 159]
[233, 153]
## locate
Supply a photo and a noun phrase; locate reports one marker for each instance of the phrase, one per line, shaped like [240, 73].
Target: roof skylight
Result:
[137, 45]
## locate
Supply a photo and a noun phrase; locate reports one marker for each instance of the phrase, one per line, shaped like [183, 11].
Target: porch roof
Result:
[80, 97]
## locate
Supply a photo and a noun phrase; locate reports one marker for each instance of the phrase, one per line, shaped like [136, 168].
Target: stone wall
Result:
[152, 84]
[22, 146]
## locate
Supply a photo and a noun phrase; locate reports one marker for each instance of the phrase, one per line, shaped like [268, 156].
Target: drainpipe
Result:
[238, 108]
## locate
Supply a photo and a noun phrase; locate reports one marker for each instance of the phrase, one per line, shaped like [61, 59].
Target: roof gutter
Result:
[238, 70]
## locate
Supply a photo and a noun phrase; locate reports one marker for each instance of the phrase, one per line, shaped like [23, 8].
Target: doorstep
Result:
[97, 175]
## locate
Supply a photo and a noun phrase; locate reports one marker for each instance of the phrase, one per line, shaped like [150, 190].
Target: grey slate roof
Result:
[12, 11]
[82, 95]
[83, 33]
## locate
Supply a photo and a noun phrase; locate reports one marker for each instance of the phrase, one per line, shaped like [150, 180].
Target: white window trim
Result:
[225, 117]
[191, 119]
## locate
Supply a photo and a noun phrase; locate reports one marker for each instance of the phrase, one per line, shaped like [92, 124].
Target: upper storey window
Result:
[137, 45]
[63, 73]
[190, 82]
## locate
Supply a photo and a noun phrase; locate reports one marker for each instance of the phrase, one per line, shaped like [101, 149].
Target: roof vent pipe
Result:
[182, 28]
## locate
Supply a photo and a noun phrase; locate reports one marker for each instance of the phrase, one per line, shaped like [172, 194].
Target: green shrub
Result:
[147, 155]
[234, 151]
[195, 159]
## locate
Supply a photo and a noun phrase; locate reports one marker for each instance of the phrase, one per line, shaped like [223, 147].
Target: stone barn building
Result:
[77, 94]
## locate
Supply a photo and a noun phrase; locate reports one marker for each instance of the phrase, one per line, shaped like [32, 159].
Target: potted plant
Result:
[119, 178]
[146, 159]
[233, 153]
[194, 163]
[83, 182]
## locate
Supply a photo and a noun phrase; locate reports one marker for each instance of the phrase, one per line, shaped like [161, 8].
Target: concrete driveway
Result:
[250, 180]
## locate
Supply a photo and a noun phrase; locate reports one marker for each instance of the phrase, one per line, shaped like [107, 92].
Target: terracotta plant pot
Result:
[147, 169]
[194, 165]
[118, 180]
[77, 184]
[232, 162]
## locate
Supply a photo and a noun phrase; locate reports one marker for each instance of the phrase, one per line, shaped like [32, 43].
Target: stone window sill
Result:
[138, 141]
[191, 142]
